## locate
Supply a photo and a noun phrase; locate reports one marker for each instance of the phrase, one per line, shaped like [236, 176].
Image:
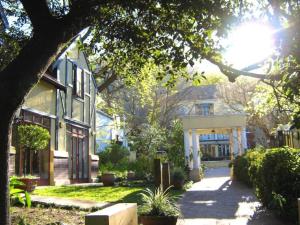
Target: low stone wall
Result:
[94, 166]
[61, 168]
[119, 214]
[216, 164]
[12, 164]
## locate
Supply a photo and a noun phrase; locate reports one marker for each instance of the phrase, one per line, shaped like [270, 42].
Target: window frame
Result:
[79, 93]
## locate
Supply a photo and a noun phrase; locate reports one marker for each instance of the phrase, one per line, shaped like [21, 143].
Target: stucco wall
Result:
[42, 98]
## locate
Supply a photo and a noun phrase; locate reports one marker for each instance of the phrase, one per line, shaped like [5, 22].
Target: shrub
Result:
[178, 174]
[275, 175]
[245, 167]
[143, 167]
[113, 153]
[278, 181]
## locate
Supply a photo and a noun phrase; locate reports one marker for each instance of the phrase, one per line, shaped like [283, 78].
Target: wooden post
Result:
[157, 173]
[165, 175]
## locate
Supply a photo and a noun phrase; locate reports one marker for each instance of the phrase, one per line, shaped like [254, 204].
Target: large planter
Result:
[158, 220]
[131, 175]
[108, 179]
[29, 183]
[178, 183]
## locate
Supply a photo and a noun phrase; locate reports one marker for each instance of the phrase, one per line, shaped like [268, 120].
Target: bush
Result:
[275, 175]
[245, 167]
[143, 167]
[178, 174]
[113, 153]
[278, 181]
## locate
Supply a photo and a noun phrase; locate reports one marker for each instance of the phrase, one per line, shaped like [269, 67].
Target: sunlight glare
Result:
[248, 44]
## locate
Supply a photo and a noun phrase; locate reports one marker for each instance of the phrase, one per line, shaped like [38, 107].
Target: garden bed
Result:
[45, 216]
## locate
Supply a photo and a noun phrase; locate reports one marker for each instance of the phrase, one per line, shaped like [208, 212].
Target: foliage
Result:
[148, 139]
[143, 167]
[178, 174]
[275, 175]
[18, 195]
[33, 137]
[246, 167]
[175, 144]
[158, 203]
[113, 153]
[278, 184]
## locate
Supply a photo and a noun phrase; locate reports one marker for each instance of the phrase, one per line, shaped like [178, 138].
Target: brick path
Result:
[217, 200]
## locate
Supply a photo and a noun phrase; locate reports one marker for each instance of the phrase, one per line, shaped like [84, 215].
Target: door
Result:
[78, 154]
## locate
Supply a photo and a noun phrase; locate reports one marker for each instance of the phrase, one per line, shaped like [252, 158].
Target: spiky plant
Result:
[158, 203]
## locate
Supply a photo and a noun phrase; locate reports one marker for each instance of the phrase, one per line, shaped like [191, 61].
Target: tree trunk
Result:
[4, 159]
[16, 80]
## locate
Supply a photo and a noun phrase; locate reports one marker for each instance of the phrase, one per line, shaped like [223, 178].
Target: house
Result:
[210, 126]
[108, 129]
[205, 101]
[63, 102]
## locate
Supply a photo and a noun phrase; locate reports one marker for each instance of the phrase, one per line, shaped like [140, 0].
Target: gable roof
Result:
[198, 93]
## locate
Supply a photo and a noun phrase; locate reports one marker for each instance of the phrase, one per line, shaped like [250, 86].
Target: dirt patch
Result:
[43, 216]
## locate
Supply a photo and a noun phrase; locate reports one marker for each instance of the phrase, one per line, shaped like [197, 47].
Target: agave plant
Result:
[158, 203]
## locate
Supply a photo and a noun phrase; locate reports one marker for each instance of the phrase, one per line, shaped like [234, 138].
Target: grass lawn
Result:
[100, 194]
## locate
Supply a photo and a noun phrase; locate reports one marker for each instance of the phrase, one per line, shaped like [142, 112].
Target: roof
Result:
[51, 80]
[199, 93]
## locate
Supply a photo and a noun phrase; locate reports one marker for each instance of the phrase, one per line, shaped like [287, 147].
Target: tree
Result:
[257, 99]
[32, 138]
[135, 30]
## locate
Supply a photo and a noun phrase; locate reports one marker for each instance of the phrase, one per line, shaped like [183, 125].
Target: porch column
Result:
[235, 142]
[196, 159]
[187, 147]
[240, 141]
[231, 145]
[244, 139]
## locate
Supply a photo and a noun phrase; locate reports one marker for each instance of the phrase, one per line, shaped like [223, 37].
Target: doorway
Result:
[78, 153]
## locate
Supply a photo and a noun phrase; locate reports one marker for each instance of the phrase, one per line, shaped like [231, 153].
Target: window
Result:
[204, 109]
[78, 81]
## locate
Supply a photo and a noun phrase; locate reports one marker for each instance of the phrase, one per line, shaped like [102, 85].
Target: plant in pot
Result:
[32, 138]
[158, 208]
[108, 178]
[178, 178]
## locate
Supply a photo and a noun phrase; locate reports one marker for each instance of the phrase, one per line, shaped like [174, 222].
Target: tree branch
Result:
[107, 82]
[228, 69]
[38, 13]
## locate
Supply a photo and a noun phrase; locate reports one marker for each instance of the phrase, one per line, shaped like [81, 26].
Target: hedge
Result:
[275, 176]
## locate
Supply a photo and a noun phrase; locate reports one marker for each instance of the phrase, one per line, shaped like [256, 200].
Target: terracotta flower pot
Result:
[108, 179]
[29, 184]
[158, 220]
[131, 175]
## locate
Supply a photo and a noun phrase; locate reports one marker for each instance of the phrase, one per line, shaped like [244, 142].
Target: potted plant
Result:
[158, 208]
[130, 175]
[108, 178]
[178, 178]
[32, 138]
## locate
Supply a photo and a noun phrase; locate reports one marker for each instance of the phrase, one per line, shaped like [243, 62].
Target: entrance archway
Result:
[194, 125]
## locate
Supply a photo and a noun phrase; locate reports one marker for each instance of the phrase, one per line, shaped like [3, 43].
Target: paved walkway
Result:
[68, 203]
[217, 200]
